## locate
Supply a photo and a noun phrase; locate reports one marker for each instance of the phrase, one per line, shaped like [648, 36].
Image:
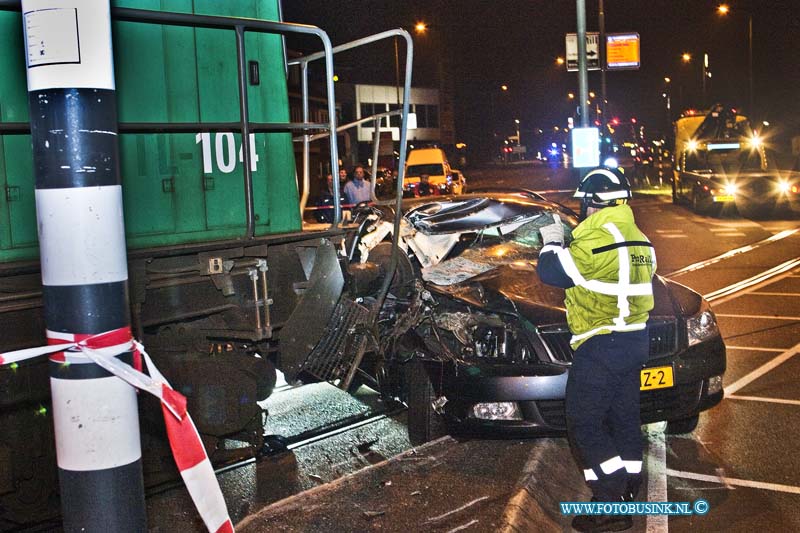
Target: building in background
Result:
[425, 106]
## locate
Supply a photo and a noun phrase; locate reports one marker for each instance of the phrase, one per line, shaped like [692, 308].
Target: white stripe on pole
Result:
[83, 239]
[68, 46]
[94, 433]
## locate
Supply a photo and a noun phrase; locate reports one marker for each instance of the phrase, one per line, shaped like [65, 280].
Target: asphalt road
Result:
[744, 458]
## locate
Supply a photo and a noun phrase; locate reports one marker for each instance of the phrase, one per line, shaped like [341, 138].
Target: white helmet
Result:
[602, 187]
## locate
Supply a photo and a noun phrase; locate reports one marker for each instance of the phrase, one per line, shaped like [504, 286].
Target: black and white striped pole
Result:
[73, 116]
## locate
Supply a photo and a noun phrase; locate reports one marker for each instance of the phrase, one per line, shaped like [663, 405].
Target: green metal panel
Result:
[17, 202]
[20, 195]
[278, 189]
[167, 73]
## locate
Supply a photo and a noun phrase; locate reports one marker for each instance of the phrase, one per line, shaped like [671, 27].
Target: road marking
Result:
[734, 481]
[464, 526]
[731, 253]
[448, 513]
[762, 399]
[766, 317]
[730, 234]
[674, 236]
[760, 371]
[766, 293]
[759, 280]
[656, 476]
[755, 349]
[663, 231]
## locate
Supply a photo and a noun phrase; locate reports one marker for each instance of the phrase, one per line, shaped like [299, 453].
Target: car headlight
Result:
[702, 326]
[730, 188]
[784, 186]
[497, 411]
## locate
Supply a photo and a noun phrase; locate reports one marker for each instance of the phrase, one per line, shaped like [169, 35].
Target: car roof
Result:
[472, 212]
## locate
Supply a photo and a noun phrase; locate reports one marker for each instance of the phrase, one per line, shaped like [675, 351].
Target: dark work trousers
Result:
[602, 407]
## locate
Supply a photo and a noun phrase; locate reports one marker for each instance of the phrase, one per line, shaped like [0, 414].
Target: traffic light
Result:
[615, 121]
[633, 120]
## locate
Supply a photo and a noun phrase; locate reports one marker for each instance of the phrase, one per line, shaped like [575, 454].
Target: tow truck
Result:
[722, 164]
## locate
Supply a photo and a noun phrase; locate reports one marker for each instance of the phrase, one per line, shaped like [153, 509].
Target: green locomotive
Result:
[225, 283]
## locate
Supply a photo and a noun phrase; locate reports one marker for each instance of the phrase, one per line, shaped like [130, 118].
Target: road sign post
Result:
[585, 147]
[592, 51]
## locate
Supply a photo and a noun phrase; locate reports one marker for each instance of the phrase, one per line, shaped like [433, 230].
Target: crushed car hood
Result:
[498, 276]
[517, 290]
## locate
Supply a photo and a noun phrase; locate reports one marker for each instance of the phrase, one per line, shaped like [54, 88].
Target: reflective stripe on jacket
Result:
[607, 271]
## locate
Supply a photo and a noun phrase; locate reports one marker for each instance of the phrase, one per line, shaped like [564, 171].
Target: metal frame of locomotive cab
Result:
[251, 246]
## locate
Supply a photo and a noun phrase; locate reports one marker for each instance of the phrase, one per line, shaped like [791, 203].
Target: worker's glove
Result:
[553, 233]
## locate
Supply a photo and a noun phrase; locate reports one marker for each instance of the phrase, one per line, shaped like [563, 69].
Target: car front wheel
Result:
[682, 425]
[424, 424]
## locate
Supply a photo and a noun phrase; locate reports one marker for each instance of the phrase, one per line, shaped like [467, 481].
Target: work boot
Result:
[598, 523]
[632, 486]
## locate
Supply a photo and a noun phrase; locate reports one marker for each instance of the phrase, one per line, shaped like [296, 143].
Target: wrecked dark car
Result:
[485, 344]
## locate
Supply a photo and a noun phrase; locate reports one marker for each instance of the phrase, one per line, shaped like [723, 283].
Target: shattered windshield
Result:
[505, 245]
[516, 244]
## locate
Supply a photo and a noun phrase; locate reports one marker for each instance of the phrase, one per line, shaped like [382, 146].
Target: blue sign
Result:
[585, 147]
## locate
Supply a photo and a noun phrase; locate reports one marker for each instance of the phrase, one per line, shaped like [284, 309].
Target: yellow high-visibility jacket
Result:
[607, 272]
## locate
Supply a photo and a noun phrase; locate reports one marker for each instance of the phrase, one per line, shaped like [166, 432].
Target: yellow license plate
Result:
[659, 377]
[724, 198]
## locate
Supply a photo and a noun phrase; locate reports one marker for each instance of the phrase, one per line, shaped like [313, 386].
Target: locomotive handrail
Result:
[24, 128]
[239, 26]
[377, 118]
[303, 63]
[350, 125]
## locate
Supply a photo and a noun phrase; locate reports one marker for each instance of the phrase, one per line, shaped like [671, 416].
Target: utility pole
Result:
[601, 19]
[704, 72]
[750, 61]
[583, 77]
[73, 114]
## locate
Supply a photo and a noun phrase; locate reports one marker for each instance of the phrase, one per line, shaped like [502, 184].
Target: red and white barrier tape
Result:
[187, 448]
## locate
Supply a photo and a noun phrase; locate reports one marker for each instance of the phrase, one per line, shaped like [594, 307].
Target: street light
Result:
[516, 123]
[559, 60]
[724, 10]
[686, 57]
[420, 27]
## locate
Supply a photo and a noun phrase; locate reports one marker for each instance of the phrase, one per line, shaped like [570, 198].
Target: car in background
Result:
[484, 343]
[433, 162]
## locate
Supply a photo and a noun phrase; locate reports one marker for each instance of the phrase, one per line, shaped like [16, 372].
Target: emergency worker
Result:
[607, 272]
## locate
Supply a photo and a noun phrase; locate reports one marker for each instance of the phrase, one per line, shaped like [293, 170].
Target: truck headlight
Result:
[702, 326]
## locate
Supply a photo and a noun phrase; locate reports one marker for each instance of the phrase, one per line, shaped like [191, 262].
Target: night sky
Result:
[488, 43]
